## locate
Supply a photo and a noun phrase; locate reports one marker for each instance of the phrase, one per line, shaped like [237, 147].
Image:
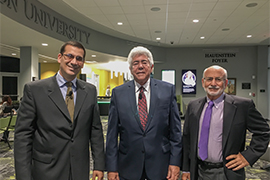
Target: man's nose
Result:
[73, 61]
[213, 82]
[140, 65]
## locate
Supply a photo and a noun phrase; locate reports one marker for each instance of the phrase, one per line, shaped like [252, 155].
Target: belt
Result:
[210, 165]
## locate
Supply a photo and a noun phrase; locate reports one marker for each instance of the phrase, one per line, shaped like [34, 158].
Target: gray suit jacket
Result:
[240, 114]
[47, 144]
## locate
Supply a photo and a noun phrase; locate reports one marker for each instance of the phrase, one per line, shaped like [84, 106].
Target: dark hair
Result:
[6, 98]
[75, 44]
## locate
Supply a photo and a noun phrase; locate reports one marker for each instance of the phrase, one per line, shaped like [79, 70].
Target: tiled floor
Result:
[7, 164]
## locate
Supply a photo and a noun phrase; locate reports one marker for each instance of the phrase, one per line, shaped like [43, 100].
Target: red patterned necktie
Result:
[142, 107]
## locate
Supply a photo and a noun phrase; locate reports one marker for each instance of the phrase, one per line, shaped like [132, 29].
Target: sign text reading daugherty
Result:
[220, 57]
[43, 18]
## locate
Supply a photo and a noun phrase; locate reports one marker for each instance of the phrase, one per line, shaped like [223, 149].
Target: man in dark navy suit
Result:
[144, 114]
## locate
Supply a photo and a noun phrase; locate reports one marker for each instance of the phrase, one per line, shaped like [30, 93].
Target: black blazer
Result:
[47, 144]
[240, 114]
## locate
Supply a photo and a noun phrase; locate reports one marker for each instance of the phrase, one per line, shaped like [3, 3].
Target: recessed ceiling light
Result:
[249, 36]
[120, 23]
[202, 37]
[44, 44]
[195, 20]
[225, 29]
[44, 61]
[158, 38]
[155, 9]
[13, 54]
[157, 31]
[94, 55]
[251, 4]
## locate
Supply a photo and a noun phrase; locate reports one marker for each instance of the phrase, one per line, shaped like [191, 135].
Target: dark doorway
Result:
[10, 87]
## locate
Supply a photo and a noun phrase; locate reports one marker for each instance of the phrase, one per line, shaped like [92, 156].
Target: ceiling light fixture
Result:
[249, 36]
[155, 9]
[251, 5]
[13, 54]
[94, 55]
[44, 44]
[44, 61]
[202, 37]
[195, 20]
[158, 38]
[119, 23]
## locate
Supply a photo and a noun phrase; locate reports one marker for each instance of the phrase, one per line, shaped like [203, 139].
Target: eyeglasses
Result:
[144, 63]
[71, 56]
[217, 79]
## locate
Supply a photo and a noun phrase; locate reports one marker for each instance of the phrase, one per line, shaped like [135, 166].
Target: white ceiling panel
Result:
[135, 9]
[109, 10]
[174, 20]
[102, 3]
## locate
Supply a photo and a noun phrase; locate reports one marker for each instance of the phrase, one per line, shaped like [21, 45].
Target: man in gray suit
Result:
[231, 116]
[52, 141]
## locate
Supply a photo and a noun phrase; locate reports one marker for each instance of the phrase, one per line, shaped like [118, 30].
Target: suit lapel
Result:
[197, 111]
[228, 116]
[132, 101]
[55, 95]
[81, 94]
[153, 101]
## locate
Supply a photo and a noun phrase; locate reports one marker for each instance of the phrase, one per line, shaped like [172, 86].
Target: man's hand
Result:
[173, 172]
[98, 174]
[185, 176]
[237, 161]
[113, 176]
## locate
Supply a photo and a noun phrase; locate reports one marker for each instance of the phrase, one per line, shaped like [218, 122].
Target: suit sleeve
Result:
[257, 125]
[24, 130]
[97, 140]
[175, 132]
[112, 137]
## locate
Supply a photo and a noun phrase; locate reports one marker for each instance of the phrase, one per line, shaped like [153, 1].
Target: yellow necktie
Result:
[69, 100]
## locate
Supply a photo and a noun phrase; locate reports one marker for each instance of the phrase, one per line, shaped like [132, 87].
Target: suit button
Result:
[144, 135]
[72, 140]
[143, 151]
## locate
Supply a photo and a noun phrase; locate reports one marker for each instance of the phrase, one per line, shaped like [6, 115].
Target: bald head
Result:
[216, 67]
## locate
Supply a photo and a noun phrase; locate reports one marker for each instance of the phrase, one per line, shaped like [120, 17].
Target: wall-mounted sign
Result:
[189, 80]
[246, 86]
[168, 76]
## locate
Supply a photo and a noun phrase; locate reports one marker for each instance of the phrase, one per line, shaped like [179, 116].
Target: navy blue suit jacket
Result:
[155, 148]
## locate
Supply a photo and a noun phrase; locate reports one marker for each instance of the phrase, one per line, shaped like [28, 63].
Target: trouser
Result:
[143, 177]
[206, 173]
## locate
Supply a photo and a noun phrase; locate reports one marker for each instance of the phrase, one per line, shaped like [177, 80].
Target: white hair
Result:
[139, 50]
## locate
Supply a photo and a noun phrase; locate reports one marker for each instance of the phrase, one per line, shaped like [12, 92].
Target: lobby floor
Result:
[7, 161]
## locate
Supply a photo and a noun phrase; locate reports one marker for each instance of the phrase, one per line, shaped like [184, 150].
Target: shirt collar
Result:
[61, 81]
[218, 100]
[146, 86]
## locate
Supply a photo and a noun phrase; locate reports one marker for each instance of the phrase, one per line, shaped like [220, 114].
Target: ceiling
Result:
[221, 23]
